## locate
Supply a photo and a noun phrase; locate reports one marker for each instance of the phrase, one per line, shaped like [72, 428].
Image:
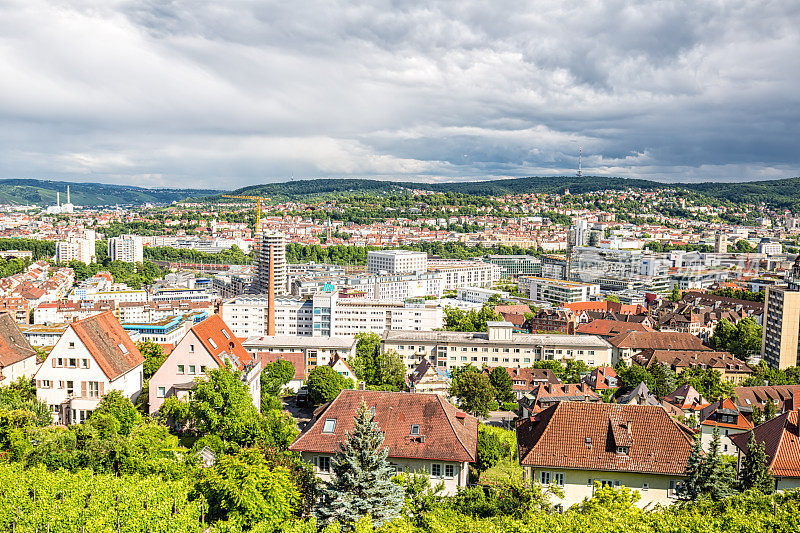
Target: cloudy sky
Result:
[228, 93]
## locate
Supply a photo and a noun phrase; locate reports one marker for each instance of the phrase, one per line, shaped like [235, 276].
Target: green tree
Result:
[754, 471]
[324, 384]
[720, 477]
[473, 391]
[675, 294]
[361, 479]
[243, 489]
[391, 370]
[489, 450]
[364, 363]
[118, 406]
[273, 378]
[707, 382]
[153, 355]
[694, 483]
[503, 385]
[770, 410]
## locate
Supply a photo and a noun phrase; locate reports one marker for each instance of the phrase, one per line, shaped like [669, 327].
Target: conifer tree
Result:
[694, 483]
[754, 473]
[720, 477]
[361, 481]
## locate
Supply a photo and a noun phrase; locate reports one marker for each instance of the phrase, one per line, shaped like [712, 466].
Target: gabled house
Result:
[525, 380]
[606, 328]
[423, 433]
[726, 417]
[626, 345]
[338, 364]
[578, 445]
[602, 377]
[206, 346]
[427, 378]
[781, 440]
[729, 366]
[17, 356]
[748, 398]
[545, 395]
[687, 399]
[93, 356]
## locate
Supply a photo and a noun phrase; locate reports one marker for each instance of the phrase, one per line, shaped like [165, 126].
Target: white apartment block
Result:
[457, 274]
[327, 315]
[127, 248]
[478, 295]
[396, 261]
[77, 248]
[557, 291]
[275, 244]
[498, 347]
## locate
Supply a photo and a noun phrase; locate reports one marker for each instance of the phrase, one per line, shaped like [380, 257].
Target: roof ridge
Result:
[455, 432]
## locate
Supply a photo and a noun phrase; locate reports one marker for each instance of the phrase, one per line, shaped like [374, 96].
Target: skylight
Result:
[122, 348]
[212, 343]
[330, 425]
[415, 429]
[226, 334]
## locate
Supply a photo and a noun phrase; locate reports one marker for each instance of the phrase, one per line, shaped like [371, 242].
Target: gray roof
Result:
[520, 339]
[300, 341]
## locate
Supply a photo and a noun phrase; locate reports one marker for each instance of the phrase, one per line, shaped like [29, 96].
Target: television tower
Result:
[580, 154]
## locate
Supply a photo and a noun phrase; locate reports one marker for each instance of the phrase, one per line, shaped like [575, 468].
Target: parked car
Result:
[302, 396]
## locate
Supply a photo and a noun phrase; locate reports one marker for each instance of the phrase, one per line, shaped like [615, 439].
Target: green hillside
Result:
[783, 193]
[41, 192]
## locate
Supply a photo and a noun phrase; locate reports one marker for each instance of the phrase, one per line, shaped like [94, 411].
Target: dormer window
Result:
[623, 450]
[415, 429]
[329, 426]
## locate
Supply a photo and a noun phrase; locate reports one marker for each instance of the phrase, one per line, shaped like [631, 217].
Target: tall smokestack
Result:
[271, 293]
[58, 198]
[68, 195]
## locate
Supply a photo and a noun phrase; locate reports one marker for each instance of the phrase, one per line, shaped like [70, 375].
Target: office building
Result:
[455, 273]
[77, 248]
[557, 291]
[396, 262]
[512, 266]
[720, 243]
[499, 346]
[768, 247]
[126, 248]
[782, 322]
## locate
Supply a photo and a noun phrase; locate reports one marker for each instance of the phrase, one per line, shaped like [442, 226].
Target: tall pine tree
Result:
[694, 483]
[361, 480]
[720, 474]
[754, 473]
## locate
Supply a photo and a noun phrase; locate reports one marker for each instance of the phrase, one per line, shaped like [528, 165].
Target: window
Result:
[436, 470]
[192, 369]
[558, 478]
[73, 363]
[191, 348]
[622, 450]
[94, 389]
[122, 348]
[671, 489]
[226, 334]
[45, 383]
[449, 471]
[181, 369]
[324, 463]
[84, 363]
[329, 426]
[70, 388]
[544, 478]
[71, 344]
[162, 391]
[59, 361]
[415, 429]
[645, 486]
[202, 369]
[212, 343]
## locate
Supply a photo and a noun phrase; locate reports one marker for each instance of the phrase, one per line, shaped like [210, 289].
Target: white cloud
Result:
[203, 93]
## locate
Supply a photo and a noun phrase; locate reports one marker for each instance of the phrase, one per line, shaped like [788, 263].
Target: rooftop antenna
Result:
[580, 154]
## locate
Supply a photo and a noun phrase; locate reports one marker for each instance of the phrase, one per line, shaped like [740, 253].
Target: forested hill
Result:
[41, 192]
[777, 193]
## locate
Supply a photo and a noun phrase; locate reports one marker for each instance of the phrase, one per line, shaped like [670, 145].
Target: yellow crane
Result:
[257, 200]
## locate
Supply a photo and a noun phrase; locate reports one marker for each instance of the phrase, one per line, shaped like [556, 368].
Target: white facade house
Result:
[127, 248]
[17, 356]
[396, 261]
[92, 357]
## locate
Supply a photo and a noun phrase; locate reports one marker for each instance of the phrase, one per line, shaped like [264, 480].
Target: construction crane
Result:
[257, 200]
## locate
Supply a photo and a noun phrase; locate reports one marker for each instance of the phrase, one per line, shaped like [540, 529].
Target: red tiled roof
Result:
[610, 328]
[598, 378]
[707, 417]
[686, 397]
[14, 347]
[531, 376]
[658, 340]
[298, 361]
[781, 443]
[678, 359]
[449, 435]
[760, 395]
[605, 305]
[217, 338]
[109, 344]
[581, 436]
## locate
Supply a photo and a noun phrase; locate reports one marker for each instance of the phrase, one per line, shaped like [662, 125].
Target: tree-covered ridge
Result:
[781, 193]
[42, 192]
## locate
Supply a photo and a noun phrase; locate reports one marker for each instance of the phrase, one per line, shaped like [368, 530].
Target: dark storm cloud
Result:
[210, 93]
